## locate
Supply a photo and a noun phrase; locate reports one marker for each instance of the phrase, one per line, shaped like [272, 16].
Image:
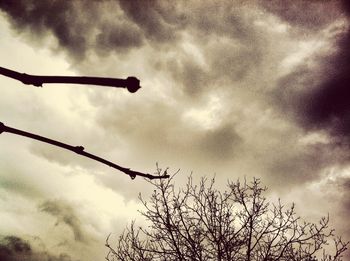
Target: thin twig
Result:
[80, 150]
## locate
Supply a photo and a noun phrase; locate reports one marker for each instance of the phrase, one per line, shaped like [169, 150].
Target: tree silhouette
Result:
[199, 222]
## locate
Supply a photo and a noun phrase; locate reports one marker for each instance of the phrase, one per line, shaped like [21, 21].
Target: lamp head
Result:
[132, 84]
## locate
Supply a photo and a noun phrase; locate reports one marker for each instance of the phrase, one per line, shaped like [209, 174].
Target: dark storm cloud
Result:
[294, 166]
[235, 60]
[319, 96]
[224, 65]
[230, 44]
[150, 17]
[118, 37]
[328, 105]
[65, 214]
[221, 19]
[309, 15]
[193, 78]
[162, 126]
[220, 143]
[61, 18]
[78, 26]
[13, 248]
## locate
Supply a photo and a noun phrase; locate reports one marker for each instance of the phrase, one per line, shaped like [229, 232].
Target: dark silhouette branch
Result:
[131, 83]
[80, 150]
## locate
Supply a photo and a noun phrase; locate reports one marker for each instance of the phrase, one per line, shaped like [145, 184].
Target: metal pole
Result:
[131, 83]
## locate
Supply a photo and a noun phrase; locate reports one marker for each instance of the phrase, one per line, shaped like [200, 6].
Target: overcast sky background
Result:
[232, 88]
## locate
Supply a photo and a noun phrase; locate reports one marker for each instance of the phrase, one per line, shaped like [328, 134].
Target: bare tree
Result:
[199, 222]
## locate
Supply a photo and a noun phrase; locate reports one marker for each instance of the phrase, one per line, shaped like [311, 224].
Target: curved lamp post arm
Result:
[79, 150]
[131, 83]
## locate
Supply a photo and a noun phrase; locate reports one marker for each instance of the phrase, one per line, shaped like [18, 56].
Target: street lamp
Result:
[131, 83]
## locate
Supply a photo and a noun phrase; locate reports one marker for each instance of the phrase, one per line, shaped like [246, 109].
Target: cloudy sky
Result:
[233, 88]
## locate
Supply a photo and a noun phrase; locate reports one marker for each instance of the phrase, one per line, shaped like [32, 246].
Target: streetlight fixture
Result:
[131, 83]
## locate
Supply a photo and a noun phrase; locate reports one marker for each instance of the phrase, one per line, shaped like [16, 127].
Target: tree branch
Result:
[80, 150]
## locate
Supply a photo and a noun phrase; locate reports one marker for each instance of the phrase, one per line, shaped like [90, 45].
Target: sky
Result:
[236, 89]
